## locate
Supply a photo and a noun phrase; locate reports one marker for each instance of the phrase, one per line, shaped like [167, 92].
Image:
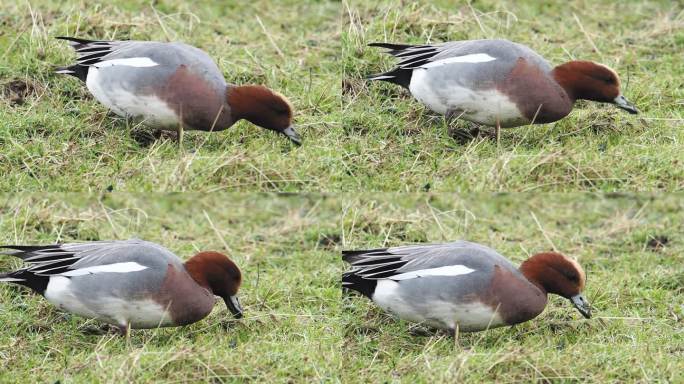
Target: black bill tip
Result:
[292, 135]
[234, 306]
[582, 305]
[622, 103]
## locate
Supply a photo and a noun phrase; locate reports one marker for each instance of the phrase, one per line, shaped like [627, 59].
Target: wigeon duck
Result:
[498, 82]
[128, 284]
[173, 86]
[462, 286]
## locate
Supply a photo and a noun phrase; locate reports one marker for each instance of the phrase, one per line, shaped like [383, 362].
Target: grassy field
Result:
[297, 327]
[397, 144]
[55, 136]
[361, 140]
[290, 292]
[633, 282]
[357, 135]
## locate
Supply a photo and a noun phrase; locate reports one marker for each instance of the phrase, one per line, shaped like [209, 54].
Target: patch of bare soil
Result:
[16, 91]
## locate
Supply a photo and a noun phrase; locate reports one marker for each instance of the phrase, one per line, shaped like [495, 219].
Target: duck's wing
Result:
[90, 52]
[405, 262]
[76, 259]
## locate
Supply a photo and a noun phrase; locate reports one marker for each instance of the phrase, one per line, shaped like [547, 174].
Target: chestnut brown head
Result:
[217, 273]
[263, 107]
[560, 275]
[592, 81]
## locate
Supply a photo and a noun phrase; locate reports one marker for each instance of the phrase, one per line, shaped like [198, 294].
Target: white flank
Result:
[59, 293]
[110, 91]
[451, 270]
[107, 268]
[138, 62]
[99, 304]
[446, 94]
[473, 58]
[393, 297]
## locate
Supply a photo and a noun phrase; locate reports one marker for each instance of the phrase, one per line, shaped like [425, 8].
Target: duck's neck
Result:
[567, 80]
[197, 273]
[533, 275]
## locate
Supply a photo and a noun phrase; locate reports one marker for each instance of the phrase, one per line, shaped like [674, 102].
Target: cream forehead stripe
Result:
[611, 70]
[283, 97]
[139, 62]
[473, 58]
[583, 277]
[451, 270]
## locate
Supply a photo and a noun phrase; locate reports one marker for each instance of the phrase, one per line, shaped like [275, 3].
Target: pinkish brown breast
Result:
[186, 301]
[200, 104]
[538, 96]
[518, 300]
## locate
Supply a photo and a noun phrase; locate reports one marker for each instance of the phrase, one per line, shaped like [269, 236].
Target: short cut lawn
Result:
[55, 136]
[394, 143]
[298, 327]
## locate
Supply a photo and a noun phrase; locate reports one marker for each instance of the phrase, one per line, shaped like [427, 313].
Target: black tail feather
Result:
[393, 47]
[357, 283]
[397, 76]
[352, 281]
[25, 250]
[351, 256]
[78, 71]
[77, 43]
[83, 47]
[23, 277]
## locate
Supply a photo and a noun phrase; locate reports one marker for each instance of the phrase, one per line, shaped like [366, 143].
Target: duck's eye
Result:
[281, 110]
[607, 80]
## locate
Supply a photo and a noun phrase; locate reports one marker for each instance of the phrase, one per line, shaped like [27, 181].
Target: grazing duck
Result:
[498, 82]
[462, 286]
[128, 284]
[173, 86]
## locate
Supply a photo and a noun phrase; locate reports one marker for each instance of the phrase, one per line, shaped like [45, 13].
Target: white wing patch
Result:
[472, 58]
[107, 268]
[451, 270]
[138, 62]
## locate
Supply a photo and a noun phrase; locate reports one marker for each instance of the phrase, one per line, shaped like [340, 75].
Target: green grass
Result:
[636, 334]
[357, 135]
[290, 291]
[55, 136]
[397, 144]
[362, 137]
[298, 327]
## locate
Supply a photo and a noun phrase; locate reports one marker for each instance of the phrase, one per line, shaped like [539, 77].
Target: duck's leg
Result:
[498, 131]
[180, 135]
[455, 331]
[124, 329]
[100, 330]
[461, 135]
[179, 129]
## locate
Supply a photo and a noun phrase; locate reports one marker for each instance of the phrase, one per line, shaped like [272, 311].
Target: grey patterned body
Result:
[443, 285]
[162, 84]
[126, 283]
[484, 81]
